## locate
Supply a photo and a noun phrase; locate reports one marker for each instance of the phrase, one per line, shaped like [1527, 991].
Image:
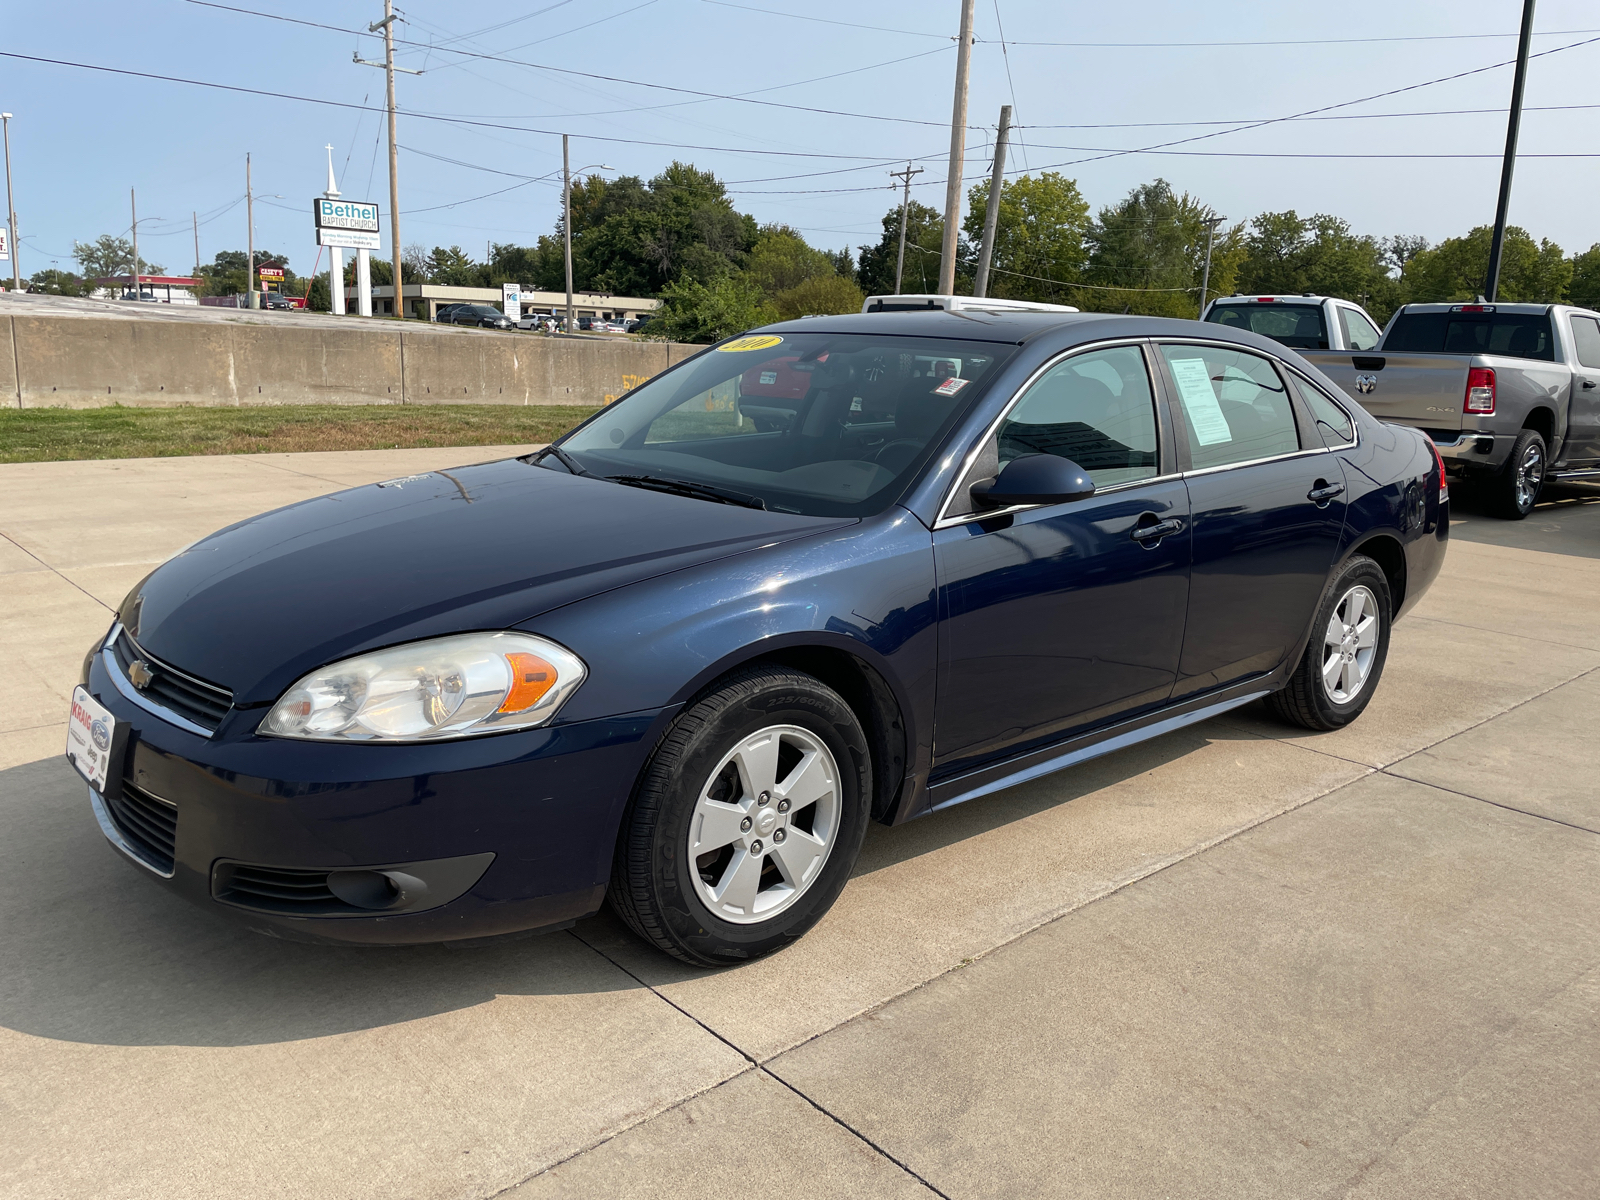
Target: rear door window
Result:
[1359, 333]
[1586, 339]
[1333, 423]
[1234, 406]
[1297, 325]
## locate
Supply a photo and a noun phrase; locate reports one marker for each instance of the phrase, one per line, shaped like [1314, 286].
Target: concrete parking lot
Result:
[1240, 960]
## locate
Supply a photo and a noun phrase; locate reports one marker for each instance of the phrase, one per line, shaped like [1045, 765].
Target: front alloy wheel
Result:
[747, 821]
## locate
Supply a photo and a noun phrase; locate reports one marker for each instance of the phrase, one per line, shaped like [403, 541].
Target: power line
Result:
[828, 21]
[1436, 112]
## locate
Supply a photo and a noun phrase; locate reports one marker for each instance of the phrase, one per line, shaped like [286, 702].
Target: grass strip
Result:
[57, 434]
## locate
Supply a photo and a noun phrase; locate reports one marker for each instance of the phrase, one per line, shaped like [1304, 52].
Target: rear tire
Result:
[748, 820]
[1343, 662]
[1515, 490]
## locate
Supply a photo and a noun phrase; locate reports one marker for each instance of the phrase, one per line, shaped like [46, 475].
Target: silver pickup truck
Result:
[1509, 393]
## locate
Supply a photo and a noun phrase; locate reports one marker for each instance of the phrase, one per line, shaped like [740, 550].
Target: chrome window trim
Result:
[990, 514]
[108, 659]
[944, 520]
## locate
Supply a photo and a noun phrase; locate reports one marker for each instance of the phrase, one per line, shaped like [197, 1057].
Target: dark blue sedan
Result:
[841, 570]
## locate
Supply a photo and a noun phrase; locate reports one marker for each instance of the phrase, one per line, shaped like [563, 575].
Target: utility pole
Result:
[11, 213]
[250, 236]
[1491, 284]
[387, 25]
[566, 222]
[195, 217]
[991, 214]
[958, 137]
[1205, 277]
[133, 205]
[905, 203]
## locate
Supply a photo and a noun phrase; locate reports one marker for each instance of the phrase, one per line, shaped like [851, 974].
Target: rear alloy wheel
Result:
[1343, 662]
[748, 820]
[1516, 489]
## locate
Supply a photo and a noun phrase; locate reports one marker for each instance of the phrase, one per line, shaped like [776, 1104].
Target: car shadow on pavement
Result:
[94, 953]
[1565, 521]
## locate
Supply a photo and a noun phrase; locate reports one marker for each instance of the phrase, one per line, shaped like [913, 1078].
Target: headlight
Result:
[445, 688]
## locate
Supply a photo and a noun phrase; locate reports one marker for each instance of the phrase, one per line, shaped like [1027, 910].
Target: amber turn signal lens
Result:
[531, 678]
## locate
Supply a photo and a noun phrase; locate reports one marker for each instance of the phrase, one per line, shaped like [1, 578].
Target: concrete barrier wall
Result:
[89, 361]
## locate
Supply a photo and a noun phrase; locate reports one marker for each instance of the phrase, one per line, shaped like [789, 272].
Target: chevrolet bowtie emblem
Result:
[140, 674]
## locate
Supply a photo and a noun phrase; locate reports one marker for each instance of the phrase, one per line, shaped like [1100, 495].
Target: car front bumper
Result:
[376, 844]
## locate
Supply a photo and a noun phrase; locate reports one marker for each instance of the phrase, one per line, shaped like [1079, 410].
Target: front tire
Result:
[748, 820]
[1515, 490]
[1340, 669]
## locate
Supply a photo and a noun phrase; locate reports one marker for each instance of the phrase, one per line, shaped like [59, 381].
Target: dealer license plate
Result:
[90, 732]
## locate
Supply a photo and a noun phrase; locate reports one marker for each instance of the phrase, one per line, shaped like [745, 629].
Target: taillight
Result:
[1480, 390]
[1438, 460]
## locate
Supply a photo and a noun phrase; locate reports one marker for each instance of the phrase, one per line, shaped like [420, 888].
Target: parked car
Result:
[1306, 322]
[485, 316]
[1509, 393]
[147, 297]
[276, 300]
[441, 315]
[843, 570]
[636, 325]
[535, 321]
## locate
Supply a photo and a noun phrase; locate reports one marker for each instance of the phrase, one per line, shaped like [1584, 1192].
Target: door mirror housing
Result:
[1034, 479]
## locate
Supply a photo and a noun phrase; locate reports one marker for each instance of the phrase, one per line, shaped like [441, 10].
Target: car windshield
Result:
[1513, 334]
[826, 424]
[1297, 325]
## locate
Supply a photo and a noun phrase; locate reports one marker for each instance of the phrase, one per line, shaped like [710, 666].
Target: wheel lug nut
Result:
[783, 806]
[744, 825]
[755, 846]
[764, 798]
[778, 835]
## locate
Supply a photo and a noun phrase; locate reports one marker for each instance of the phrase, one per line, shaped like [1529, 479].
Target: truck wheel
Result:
[1515, 491]
[1340, 669]
[748, 821]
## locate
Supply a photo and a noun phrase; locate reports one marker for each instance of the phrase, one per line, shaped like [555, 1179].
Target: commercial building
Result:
[424, 300]
[166, 289]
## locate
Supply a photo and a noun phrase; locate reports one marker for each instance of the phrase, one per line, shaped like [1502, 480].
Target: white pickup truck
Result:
[1509, 393]
[1305, 322]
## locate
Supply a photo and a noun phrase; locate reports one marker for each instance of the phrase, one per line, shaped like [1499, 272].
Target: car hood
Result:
[256, 605]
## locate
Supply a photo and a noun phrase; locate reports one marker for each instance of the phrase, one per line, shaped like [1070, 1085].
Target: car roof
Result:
[1282, 297]
[1016, 327]
[1476, 305]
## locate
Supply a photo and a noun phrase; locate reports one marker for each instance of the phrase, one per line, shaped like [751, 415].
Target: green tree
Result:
[1585, 287]
[58, 283]
[821, 295]
[781, 260]
[1286, 254]
[320, 297]
[1458, 268]
[453, 268]
[1039, 236]
[924, 239]
[109, 256]
[692, 311]
[1147, 254]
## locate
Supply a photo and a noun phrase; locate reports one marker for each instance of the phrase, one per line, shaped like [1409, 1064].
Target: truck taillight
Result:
[1480, 391]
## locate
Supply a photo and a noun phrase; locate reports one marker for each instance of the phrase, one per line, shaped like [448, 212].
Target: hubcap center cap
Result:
[766, 822]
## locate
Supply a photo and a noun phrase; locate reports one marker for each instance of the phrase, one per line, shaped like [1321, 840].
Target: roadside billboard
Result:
[511, 300]
[346, 224]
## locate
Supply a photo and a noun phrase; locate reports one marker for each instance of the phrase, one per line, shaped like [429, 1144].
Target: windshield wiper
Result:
[566, 460]
[700, 491]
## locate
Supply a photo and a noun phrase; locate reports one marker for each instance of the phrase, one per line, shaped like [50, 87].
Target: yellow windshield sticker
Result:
[761, 341]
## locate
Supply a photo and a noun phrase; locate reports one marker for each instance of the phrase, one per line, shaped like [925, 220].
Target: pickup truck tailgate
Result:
[1425, 390]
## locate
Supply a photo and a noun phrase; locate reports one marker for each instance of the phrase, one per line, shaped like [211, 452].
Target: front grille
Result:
[279, 890]
[149, 823]
[203, 703]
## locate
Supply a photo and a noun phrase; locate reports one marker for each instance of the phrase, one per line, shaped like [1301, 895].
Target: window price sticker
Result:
[950, 386]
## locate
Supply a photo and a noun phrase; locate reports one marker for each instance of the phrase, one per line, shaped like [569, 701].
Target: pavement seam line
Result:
[1503, 633]
[762, 1069]
[54, 571]
[1482, 800]
[1061, 914]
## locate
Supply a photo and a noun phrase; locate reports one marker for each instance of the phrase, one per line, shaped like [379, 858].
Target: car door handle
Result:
[1149, 535]
[1588, 383]
[1324, 491]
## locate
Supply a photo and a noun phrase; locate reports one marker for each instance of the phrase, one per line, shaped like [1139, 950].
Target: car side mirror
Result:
[1034, 479]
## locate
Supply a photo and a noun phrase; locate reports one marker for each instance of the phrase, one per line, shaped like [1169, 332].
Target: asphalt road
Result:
[1236, 961]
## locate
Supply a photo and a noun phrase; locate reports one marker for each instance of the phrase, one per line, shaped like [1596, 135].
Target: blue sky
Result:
[81, 139]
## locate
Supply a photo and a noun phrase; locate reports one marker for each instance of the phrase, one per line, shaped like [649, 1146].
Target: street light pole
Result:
[958, 139]
[566, 222]
[1491, 284]
[250, 236]
[133, 205]
[1205, 277]
[11, 213]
